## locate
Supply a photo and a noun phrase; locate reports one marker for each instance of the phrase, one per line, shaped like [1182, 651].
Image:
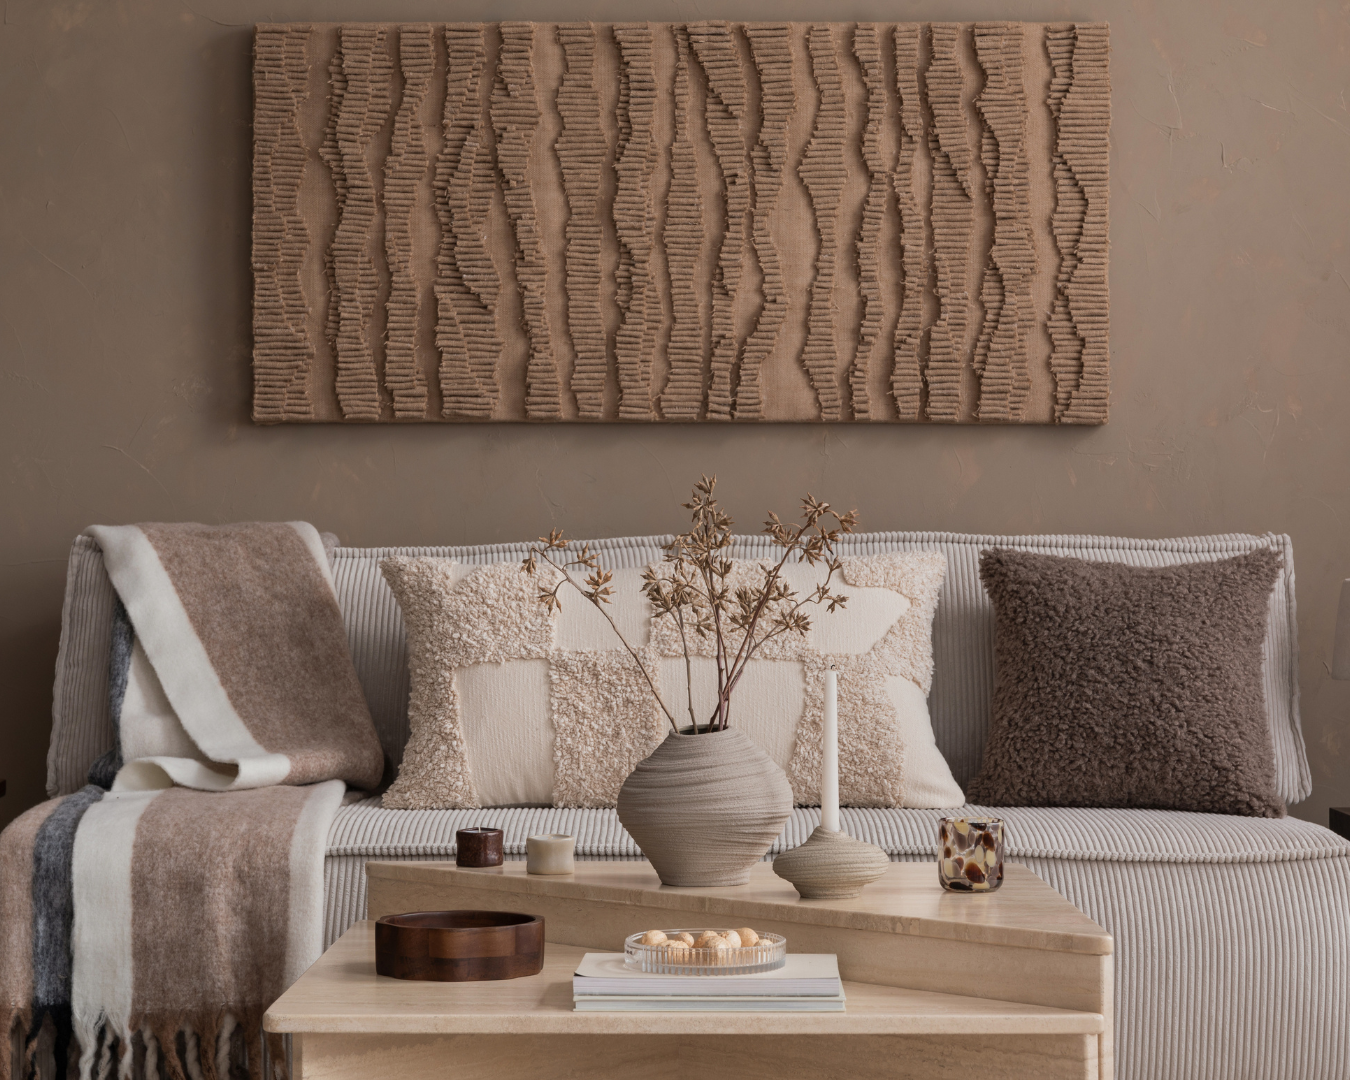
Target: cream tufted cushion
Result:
[513, 705]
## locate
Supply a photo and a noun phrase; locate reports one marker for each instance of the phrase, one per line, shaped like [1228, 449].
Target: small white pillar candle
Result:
[829, 767]
[549, 853]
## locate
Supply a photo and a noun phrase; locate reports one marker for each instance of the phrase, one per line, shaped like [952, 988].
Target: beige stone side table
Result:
[347, 1023]
[1012, 983]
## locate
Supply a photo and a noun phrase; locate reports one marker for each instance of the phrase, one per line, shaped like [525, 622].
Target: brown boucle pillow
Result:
[1129, 686]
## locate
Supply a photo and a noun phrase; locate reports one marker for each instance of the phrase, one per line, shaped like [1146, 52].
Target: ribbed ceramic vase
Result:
[705, 808]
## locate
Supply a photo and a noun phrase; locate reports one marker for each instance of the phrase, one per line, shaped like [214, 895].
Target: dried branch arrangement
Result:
[692, 588]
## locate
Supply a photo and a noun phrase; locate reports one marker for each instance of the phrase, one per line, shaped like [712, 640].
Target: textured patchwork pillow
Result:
[1129, 686]
[513, 705]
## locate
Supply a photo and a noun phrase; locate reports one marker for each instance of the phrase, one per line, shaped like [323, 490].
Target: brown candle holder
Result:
[478, 847]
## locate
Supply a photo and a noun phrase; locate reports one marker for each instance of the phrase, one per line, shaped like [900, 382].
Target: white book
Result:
[669, 1003]
[804, 975]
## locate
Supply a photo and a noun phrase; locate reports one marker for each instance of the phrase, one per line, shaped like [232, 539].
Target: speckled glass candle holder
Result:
[971, 856]
[478, 847]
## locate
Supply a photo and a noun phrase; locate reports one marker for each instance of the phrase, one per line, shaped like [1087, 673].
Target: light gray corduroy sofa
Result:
[1232, 934]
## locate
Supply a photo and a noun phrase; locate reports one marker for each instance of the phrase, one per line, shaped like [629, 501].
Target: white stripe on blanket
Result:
[160, 751]
[152, 773]
[185, 672]
[305, 941]
[310, 535]
[103, 972]
[156, 730]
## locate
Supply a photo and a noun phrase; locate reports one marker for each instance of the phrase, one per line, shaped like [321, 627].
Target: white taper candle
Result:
[829, 766]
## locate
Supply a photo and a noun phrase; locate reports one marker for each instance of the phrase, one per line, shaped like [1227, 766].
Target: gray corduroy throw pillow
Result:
[1129, 686]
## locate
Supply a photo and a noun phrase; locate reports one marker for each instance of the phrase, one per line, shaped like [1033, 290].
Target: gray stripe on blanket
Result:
[53, 903]
[54, 920]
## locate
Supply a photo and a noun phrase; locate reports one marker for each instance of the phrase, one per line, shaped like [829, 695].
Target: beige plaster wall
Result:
[124, 329]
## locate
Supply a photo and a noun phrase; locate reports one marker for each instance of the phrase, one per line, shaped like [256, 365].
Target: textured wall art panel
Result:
[681, 222]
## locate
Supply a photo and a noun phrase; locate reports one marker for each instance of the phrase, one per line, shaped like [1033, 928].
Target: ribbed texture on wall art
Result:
[282, 350]
[702, 221]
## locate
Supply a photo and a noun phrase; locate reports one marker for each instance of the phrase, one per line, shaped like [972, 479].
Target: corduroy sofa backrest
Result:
[963, 644]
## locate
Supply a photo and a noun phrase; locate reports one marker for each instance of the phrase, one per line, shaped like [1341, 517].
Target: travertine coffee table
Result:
[1015, 983]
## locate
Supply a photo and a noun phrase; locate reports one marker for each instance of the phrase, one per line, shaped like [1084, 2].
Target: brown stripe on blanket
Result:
[272, 629]
[222, 954]
[16, 932]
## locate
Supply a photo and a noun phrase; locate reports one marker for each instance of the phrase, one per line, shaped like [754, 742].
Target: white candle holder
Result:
[831, 865]
[550, 854]
[829, 755]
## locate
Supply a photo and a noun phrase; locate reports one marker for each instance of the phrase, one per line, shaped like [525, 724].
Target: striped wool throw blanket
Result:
[148, 921]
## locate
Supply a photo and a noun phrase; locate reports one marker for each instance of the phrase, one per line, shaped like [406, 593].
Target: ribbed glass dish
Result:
[769, 954]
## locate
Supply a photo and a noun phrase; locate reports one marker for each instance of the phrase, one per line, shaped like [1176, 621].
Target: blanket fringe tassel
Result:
[159, 1049]
[14, 1023]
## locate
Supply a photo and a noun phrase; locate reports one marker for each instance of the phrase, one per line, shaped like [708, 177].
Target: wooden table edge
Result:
[678, 1023]
[926, 1012]
[490, 879]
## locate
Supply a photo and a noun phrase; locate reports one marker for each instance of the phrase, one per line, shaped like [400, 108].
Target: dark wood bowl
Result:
[459, 946]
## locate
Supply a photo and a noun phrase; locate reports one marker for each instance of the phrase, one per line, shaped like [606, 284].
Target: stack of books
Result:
[808, 982]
